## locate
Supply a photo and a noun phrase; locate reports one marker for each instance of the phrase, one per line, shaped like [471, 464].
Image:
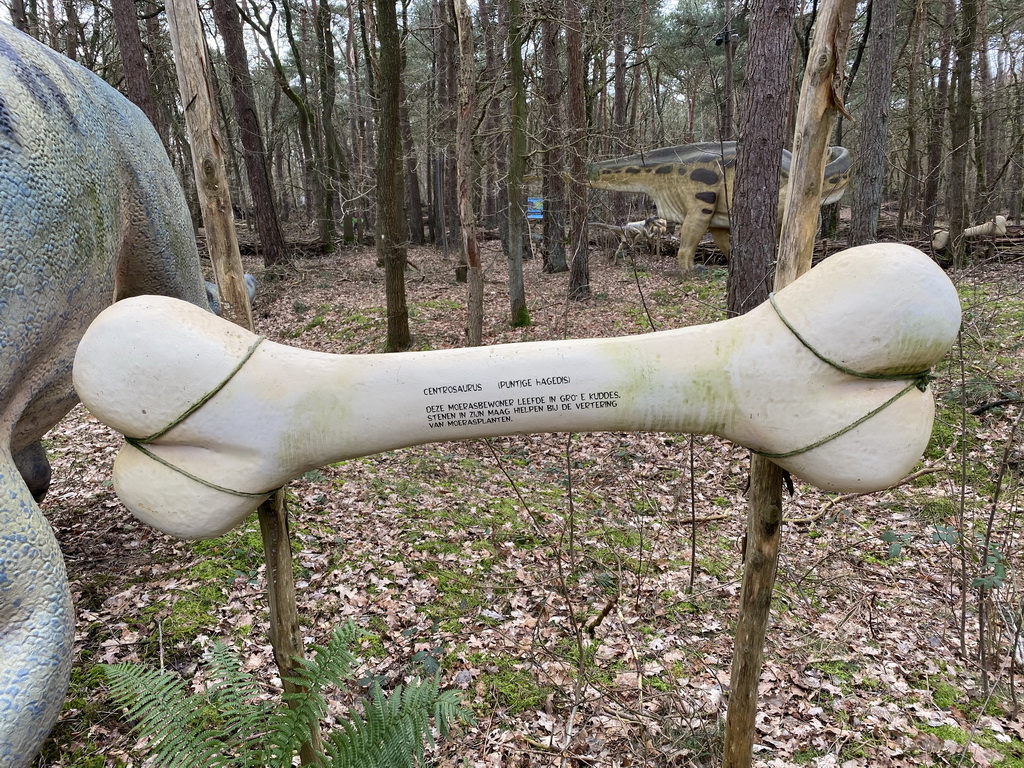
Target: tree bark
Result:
[334, 172]
[136, 74]
[727, 132]
[553, 129]
[936, 125]
[465, 126]
[193, 67]
[910, 190]
[960, 132]
[229, 25]
[617, 200]
[392, 229]
[517, 245]
[754, 217]
[314, 182]
[445, 173]
[576, 194]
[819, 104]
[494, 144]
[412, 174]
[866, 203]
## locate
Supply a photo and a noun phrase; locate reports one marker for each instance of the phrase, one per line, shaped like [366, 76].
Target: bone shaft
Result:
[358, 405]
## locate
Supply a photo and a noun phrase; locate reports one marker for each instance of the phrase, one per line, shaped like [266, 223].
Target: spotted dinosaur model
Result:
[692, 185]
[92, 213]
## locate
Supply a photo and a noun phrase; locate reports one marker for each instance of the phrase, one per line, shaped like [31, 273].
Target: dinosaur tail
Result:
[36, 622]
[837, 174]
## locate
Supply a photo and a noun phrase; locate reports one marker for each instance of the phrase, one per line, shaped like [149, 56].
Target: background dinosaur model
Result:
[692, 186]
[92, 213]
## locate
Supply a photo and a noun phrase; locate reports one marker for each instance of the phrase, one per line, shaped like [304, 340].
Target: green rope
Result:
[141, 447]
[205, 398]
[140, 442]
[842, 431]
[917, 380]
[925, 375]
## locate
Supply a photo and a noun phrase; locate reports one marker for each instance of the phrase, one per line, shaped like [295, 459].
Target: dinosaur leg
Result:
[37, 620]
[34, 467]
[721, 238]
[690, 233]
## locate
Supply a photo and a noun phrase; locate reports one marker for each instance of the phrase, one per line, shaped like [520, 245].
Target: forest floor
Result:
[581, 591]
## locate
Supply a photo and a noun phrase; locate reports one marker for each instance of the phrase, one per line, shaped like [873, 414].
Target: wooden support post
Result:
[819, 103]
[284, 615]
[193, 68]
[192, 64]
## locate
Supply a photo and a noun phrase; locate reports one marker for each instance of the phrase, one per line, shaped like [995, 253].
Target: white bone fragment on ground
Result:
[988, 229]
[994, 228]
[882, 309]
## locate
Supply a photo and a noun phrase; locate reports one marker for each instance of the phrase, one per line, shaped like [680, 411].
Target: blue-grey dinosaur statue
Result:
[92, 212]
[692, 186]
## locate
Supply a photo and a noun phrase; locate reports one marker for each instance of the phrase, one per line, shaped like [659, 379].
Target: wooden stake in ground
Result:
[819, 104]
[192, 65]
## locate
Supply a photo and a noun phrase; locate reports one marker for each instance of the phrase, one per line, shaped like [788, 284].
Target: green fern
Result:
[231, 726]
[380, 735]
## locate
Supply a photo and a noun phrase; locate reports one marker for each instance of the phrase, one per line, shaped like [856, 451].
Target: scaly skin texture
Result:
[92, 212]
[692, 186]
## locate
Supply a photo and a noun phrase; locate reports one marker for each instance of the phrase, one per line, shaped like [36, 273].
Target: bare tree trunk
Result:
[576, 132]
[19, 15]
[392, 228]
[553, 132]
[493, 145]
[727, 97]
[960, 131]
[871, 167]
[314, 183]
[464, 171]
[986, 142]
[754, 217]
[412, 174]
[334, 172]
[937, 124]
[617, 200]
[518, 233]
[910, 191]
[446, 186]
[72, 28]
[136, 74]
[193, 68]
[230, 27]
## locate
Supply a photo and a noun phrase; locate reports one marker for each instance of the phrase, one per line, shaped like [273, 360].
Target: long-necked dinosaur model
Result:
[92, 212]
[692, 186]
[829, 379]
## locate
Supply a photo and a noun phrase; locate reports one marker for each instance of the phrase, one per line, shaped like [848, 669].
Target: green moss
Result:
[658, 684]
[316, 322]
[945, 695]
[945, 732]
[513, 687]
[938, 511]
[522, 318]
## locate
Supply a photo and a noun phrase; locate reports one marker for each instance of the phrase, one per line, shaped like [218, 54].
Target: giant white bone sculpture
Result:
[219, 419]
